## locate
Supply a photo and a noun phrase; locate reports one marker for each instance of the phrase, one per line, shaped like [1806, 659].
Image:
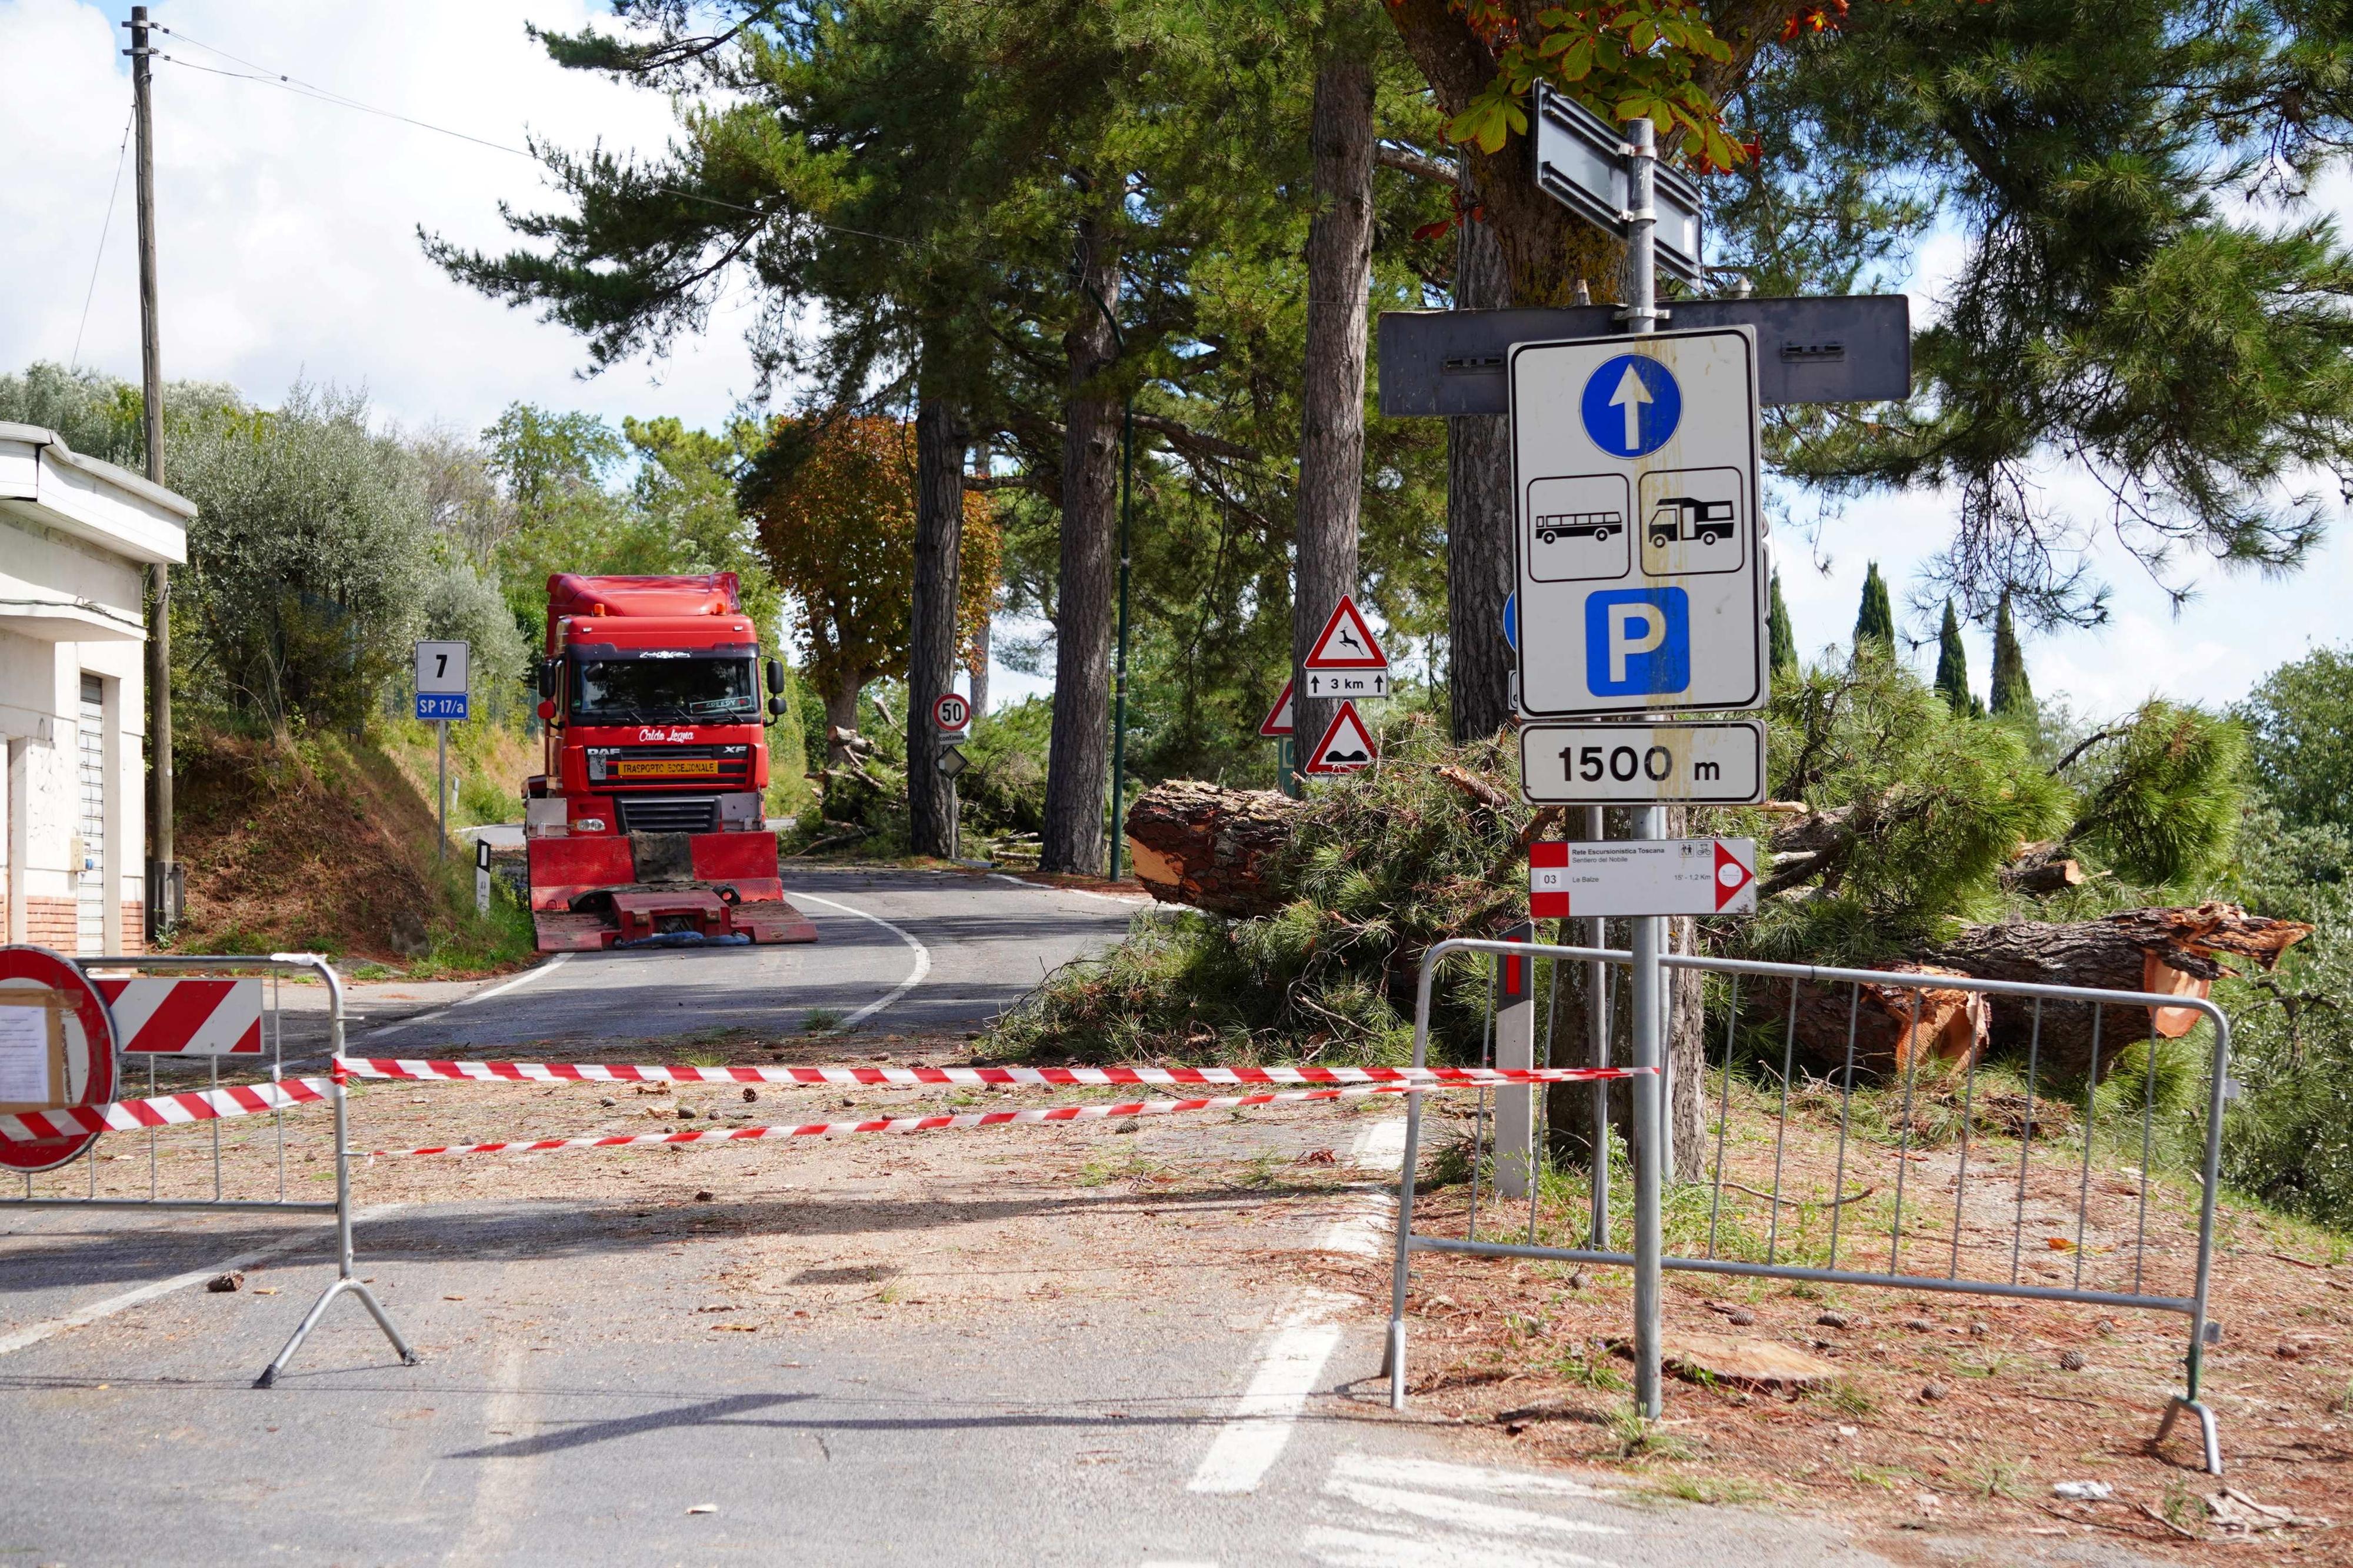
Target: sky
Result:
[286, 241]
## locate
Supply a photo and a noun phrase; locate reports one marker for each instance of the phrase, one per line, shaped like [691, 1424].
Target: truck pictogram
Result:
[1684, 519]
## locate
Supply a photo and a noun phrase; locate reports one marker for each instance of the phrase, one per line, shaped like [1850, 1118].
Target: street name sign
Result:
[1635, 474]
[441, 679]
[1582, 163]
[1620, 763]
[1346, 744]
[1277, 722]
[1810, 349]
[1633, 877]
[951, 712]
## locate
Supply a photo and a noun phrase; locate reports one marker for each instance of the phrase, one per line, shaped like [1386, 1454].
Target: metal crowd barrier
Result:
[346, 1280]
[1999, 1273]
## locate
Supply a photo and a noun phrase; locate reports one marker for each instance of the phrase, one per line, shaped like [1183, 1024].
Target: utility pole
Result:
[163, 864]
[1640, 316]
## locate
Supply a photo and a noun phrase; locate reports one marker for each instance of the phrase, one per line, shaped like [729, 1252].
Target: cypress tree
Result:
[1952, 662]
[1780, 639]
[1875, 624]
[2012, 697]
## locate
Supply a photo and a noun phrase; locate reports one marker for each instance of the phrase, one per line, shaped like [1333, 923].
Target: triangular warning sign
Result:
[1731, 875]
[1347, 642]
[1346, 745]
[1277, 722]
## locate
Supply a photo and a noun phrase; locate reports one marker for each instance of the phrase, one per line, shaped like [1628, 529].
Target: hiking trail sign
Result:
[1581, 880]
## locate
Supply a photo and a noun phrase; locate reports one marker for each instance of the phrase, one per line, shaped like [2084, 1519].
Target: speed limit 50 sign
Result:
[1641, 765]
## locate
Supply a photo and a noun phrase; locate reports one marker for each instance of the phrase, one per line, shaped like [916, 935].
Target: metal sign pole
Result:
[441, 788]
[1641, 317]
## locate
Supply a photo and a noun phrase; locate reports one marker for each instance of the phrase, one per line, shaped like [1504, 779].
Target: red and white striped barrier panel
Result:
[191, 1017]
[163, 1111]
[1061, 1077]
[918, 1123]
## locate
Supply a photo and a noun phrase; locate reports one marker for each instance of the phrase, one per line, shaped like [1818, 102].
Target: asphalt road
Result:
[576, 1404]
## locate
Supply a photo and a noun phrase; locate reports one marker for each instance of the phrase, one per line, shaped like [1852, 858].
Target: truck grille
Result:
[658, 766]
[667, 813]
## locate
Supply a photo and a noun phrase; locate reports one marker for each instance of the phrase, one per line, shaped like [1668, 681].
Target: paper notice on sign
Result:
[1642, 877]
[32, 1051]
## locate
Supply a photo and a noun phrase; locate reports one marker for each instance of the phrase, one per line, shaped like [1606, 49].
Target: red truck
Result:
[647, 825]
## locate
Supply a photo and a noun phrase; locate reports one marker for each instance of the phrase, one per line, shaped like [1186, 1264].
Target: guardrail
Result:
[274, 965]
[1972, 1268]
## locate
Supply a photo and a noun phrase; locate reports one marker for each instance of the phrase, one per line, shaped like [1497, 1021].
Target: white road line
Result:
[1367, 1232]
[1400, 1473]
[1288, 1371]
[1487, 1517]
[1363, 1549]
[80, 1317]
[525, 978]
[915, 975]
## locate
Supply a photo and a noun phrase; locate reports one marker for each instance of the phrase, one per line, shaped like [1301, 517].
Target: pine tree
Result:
[1782, 641]
[2012, 697]
[1952, 662]
[1874, 624]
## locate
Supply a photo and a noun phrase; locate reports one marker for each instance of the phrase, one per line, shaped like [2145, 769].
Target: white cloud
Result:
[286, 228]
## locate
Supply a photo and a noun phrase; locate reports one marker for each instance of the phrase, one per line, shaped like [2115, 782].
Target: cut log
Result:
[1893, 1024]
[2041, 867]
[2170, 950]
[1211, 847]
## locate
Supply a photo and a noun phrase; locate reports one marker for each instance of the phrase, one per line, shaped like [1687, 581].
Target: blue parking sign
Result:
[1638, 641]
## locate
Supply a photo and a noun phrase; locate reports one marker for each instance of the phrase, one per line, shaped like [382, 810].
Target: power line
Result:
[301, 88]
[103, 229]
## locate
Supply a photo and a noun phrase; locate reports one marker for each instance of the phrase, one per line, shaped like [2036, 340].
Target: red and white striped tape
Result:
[163, 1111]
[1063, 1077]
[194, 1017]
[920, 1124]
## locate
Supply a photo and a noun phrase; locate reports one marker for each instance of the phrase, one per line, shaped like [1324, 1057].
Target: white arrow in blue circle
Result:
[1631, 405]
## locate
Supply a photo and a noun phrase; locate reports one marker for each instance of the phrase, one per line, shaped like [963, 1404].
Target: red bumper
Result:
[585, 893]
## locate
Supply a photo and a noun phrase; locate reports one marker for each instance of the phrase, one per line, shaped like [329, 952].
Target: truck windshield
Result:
[664, 690]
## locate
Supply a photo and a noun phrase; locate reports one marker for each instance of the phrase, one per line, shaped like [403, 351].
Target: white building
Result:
[76, 536]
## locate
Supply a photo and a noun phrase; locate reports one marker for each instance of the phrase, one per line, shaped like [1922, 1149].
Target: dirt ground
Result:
[1946, 1424]
[1946, 1416]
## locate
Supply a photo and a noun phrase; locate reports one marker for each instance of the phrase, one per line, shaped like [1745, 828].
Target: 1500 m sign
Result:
[1610, 764]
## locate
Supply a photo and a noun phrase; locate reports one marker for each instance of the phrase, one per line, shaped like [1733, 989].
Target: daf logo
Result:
[659, 734]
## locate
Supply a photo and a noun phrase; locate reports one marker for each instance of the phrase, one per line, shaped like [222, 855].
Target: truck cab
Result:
[648, 821]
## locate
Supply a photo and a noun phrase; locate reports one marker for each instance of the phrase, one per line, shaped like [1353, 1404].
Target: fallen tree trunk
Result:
[1892, 1026]
[2178, 952]
[1199, 843]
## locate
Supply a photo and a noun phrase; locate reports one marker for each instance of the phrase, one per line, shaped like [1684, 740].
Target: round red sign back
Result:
[90, 1048]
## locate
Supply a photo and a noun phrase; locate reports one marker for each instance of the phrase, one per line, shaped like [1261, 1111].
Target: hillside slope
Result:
[323, 844]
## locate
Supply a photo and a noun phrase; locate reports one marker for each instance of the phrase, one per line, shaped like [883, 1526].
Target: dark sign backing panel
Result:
[1850, 349]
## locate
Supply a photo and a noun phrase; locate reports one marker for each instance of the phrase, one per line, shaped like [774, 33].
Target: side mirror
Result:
[776, 680]
[547, 710]
[546, 679]
[777, 706]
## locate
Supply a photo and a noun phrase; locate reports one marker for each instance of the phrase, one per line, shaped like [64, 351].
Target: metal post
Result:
[441, 789]
[955, 822]
[163, 869]
[1597, 1018]
[1640, 316]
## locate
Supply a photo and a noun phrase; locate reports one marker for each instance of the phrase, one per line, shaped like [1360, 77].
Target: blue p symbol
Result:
[1637, 641]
